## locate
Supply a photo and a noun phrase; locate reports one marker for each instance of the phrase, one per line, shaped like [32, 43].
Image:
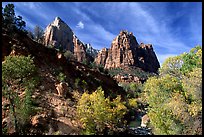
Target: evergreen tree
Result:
[10, 22]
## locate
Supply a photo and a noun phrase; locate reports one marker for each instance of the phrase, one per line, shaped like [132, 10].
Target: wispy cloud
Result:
[30, 5]
[80, 25]
[150, 28]
[172, 28]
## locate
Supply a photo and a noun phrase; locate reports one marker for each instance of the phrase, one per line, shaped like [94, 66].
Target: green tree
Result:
[76, 83]
[191, 60]
[84, 84]
[9, 17]
[61, 77]
[159, 92]
[20, 24]
[10, 22]
[133, 87]
[69, 55]
[18, 73]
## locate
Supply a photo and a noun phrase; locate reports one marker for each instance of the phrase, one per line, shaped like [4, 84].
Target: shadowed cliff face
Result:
[125, 51]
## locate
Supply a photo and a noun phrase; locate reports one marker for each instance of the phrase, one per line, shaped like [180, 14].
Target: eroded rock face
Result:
[57, 34]
[147, 59]
[122, 51]
[101, 57]
[79, 50]
[125, 52]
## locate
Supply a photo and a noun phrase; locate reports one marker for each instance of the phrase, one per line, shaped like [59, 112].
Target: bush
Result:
[61, 77]
[98, 113]
[76, 83]
[69, 55]
[133, 89]
[132, 103]
[17, 67]
[84, 85]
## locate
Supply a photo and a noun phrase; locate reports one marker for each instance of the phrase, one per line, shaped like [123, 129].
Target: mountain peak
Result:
[58, 21]
[122, 32]
[126, 52]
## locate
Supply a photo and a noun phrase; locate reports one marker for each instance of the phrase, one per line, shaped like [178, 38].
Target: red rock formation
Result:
[147, 58]
[59, 35]
[122, 51]
[79, 50]
[102, 56]
[125, 51]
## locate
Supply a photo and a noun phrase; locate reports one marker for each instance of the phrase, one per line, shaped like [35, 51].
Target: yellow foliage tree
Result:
[98, 113]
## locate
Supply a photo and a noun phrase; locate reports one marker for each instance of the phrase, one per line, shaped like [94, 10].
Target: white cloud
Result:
[80, 25]
[30, 5]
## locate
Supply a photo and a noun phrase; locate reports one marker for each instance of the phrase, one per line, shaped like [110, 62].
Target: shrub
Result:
[84, 85]
[69, 55]
[76, 83]
[133, 89]
[98, 113]
[132, 102]
[61, 77]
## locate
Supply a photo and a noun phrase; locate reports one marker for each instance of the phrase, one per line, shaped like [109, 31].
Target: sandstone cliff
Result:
[59, 35]
[101, 57]
[125, 51]
[79, 50]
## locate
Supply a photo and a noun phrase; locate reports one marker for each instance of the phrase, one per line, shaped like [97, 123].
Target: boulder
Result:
[38, 120]
[145, 120]
[62, 89]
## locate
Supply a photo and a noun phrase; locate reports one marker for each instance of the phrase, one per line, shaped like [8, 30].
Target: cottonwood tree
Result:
[175, 96]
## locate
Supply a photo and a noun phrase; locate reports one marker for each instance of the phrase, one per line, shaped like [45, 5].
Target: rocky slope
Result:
[125, 51]
[56, 113]
[59, 35]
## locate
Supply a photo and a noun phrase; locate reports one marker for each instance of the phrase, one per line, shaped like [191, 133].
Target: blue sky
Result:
[172, 27]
